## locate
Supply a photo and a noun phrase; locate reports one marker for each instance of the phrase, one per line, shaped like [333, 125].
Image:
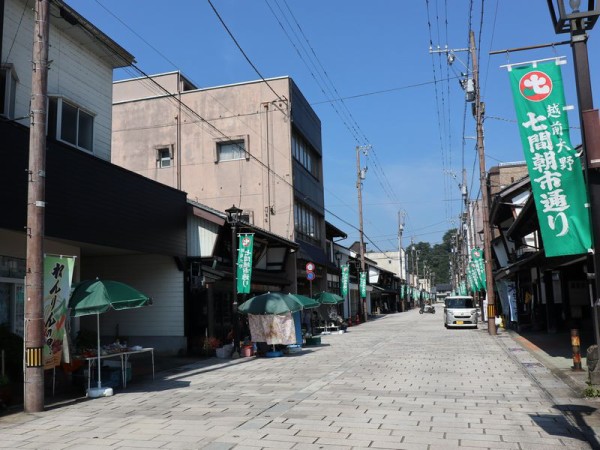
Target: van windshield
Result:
[459, 303]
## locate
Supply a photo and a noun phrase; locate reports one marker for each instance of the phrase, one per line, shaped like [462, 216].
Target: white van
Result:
[460, 311]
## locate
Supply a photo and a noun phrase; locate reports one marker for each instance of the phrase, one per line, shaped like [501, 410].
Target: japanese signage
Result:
[244, 263]
[554, 167]
[58, 274]
[472, 285]
[363, 285]
[345, 280]
[462, 288]
[478, 269]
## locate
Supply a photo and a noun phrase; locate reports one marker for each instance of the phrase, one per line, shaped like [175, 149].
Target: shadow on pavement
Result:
[577, 428]
[169, 372]
[558, 344]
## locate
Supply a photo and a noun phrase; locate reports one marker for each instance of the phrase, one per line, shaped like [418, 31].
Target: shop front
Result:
[210, 313]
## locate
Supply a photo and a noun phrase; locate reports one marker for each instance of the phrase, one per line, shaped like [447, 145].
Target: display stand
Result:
[124, 357]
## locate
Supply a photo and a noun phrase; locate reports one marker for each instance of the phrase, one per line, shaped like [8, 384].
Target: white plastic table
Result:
[124, 356]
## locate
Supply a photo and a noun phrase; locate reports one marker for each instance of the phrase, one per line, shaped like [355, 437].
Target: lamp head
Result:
[233, 214]
[585, 17]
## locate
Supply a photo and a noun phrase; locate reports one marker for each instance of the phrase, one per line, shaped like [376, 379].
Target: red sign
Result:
[310, 267]
[535, 86]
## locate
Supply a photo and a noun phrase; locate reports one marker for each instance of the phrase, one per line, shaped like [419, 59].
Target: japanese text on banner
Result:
[244, 263]
[554, 167]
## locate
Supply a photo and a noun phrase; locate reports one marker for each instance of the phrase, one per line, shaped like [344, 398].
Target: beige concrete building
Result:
[505, 174]
[255, 145]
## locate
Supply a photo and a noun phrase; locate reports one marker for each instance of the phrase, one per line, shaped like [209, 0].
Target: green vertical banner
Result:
[462, 288]
[471, 285]
[345, 280]
[363, 285]
[479, 268]
[58, 275]
[244, 262]
[554, 167]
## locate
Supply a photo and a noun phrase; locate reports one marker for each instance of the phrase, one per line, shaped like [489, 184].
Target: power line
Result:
[384, 91]
[242, 50]
[212, 128]
[329, 89]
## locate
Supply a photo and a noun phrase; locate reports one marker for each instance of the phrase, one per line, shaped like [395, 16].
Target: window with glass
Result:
[164, 157]
[69, 123]
[231, 150]
[8, 91]
[305, 155]
[307, 223]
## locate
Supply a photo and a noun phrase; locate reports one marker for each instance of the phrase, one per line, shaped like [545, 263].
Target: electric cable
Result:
[242, 50]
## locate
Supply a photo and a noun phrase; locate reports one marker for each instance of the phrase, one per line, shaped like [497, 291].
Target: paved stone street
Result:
[399, 382]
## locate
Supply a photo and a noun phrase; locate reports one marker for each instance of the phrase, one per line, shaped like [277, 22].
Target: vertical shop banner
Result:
[471, 285]
[345, 280]
[244, 263]
[554, 167]
[479, 268]
[58, 275]
[363, 285]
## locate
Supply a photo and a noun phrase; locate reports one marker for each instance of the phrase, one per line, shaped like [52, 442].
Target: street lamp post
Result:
[233, 218]
[576, 23]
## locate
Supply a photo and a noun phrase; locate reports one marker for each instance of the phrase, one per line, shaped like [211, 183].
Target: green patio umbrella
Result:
[99, 296]
[307, 302]
[328, 298]
[271, 303]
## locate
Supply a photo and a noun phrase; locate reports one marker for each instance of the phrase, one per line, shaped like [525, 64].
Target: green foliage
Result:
[12, 344]
[437, 258]
[591, 391]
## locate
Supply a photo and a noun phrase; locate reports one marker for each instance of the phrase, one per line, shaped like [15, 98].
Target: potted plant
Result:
[210, 345]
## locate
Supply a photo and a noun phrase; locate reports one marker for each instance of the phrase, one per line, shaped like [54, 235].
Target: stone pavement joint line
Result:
[399, 382]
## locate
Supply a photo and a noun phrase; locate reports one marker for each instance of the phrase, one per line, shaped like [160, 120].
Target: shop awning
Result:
[525, 223]
[380, 290]
[514, 267]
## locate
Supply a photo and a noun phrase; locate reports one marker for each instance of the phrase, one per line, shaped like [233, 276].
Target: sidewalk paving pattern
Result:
[399, 382]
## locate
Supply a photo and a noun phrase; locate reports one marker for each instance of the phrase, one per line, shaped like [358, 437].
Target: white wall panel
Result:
[155, 276]
[75, 72]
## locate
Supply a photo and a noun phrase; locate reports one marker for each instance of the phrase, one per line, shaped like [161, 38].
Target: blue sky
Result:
[375, 56]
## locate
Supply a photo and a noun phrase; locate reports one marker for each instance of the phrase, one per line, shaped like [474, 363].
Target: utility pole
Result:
[418, 253]
[479, 108]
[400, 262]
[34, 308]
[409, 275]
[361, 174]
[412, 260]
